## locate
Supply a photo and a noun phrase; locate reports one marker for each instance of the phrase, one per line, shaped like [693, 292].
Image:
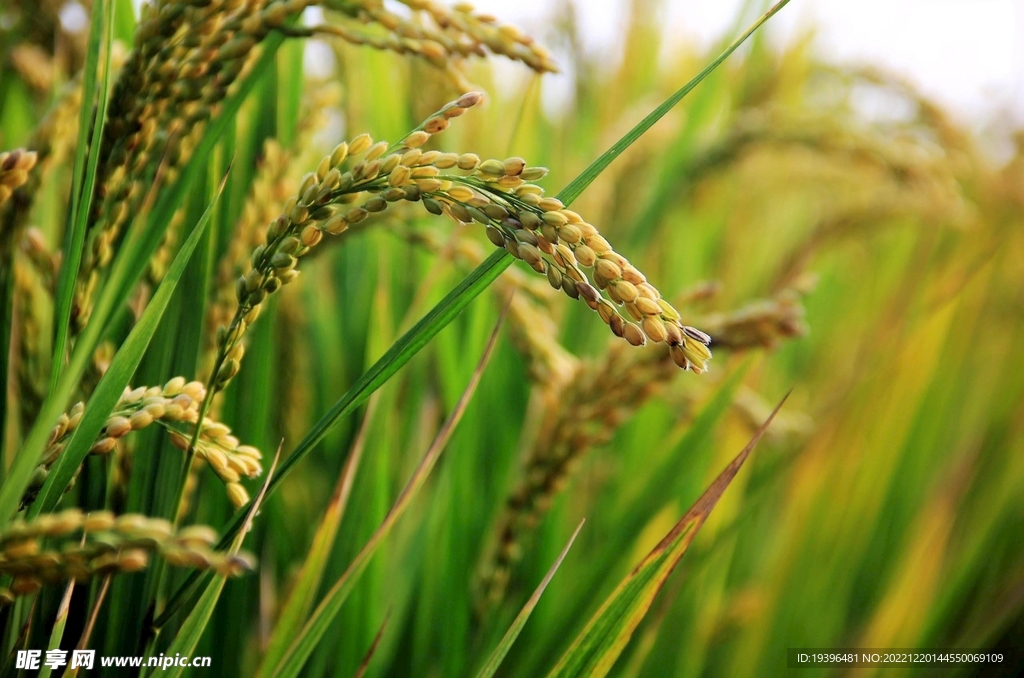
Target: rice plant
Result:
[330, 350]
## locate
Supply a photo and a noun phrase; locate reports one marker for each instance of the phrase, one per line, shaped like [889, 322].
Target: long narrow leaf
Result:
[84, 180]
[57, 632]
[302, 647]
[194, 626]
[498, 655]
[596, 649]
[300, 600]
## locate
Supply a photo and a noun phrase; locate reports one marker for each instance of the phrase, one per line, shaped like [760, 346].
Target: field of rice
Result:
[329, 348]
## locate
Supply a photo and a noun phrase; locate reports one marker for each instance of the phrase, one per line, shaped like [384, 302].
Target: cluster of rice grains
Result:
[14, 169]
[186, 56]
[75, 545]
[177, 402]
[435, 32]
[554, 241]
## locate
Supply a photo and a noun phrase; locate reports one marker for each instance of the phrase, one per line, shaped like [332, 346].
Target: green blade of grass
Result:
[450, 307]
[306, 641]
[599, 645]
[300, 600]
[498, 655]
[57, 632]
[117, 376]
[663, 481]
[94, 109]
[192, 628]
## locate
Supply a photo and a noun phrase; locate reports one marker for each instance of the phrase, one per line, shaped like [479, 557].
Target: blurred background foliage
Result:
[835, 232]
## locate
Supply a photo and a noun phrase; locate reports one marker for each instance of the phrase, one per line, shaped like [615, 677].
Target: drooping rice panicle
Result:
[100, 543]
[553, 240]
[171, 406]
[435, 32]
[760, 324]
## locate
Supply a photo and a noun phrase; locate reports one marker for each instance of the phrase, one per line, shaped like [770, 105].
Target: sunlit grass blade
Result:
[292, 663]
[662, 480]
[194, 626]
[296, 609]
[599, 645]
[92, 118]
[498, 655]
[120, 372]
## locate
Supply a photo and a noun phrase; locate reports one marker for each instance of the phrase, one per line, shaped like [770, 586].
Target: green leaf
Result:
[596, 649]
[194, 626]
[498, 655]
[117, 376]
[57, 632]
[94, 109]
[306, 641]
[295, 610]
